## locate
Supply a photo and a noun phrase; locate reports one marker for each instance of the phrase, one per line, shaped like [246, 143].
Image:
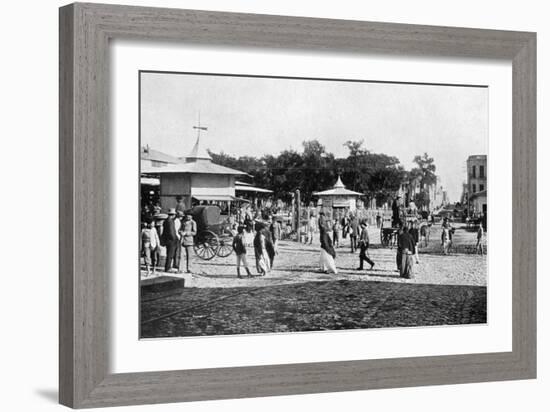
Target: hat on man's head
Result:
[172, 211]
[180, 213]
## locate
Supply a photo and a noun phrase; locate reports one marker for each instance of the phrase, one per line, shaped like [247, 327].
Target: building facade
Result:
[477, 185]
[193, 179]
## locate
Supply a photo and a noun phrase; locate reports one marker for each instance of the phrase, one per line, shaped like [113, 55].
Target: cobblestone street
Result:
[296, 296]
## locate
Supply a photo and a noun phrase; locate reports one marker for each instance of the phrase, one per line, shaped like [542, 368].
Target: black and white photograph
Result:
[284, 205]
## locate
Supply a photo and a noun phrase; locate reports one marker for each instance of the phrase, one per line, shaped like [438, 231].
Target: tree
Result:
[425, 170]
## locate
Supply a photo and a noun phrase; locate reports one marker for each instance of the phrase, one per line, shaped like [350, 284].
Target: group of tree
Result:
[376, 175]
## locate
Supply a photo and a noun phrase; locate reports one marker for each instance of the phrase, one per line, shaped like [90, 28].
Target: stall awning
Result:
[150, 181]
[222, 198]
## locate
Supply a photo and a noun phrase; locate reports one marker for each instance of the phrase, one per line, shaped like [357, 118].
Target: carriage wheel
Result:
[207, 245]
[226, 246]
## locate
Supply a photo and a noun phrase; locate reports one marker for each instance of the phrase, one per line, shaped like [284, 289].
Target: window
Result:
[474, 171]
[481, 188]
[481, 172]
[474, 188]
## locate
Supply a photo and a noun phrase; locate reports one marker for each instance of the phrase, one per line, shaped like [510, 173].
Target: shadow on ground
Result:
[310, 306]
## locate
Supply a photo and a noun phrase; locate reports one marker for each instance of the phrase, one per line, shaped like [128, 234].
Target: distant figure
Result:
[336, 233]
[378, 220]
[399, 251]
[263, 263]
[188, 233]
[395, 212]
[327, 254]
[345, 226]
[240, 251]
[178, 223]
[275, 229]
[425, 233]
[445, 240]
[406, 244]
[364, 247]
[414, 232]
[446, 236]
[180, 206]
[479, 245]
[311, 226]
[353, 232]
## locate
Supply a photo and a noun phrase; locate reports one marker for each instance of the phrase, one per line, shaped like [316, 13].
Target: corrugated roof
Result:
[156, 156]
[199, 167]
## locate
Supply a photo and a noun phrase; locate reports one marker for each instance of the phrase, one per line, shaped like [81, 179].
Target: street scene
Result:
[242, 235]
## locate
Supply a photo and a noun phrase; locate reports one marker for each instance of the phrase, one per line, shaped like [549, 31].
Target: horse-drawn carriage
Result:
[214, 236]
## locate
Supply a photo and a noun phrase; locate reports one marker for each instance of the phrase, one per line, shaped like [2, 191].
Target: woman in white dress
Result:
[327, 254]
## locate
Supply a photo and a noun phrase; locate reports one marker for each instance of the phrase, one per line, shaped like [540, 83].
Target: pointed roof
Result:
[339, 184]
[198, 152]
[338, 190]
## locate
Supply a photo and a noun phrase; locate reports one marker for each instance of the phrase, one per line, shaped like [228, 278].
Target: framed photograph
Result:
[257, 205]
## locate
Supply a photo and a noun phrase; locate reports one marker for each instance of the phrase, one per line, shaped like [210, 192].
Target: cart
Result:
[214, 236]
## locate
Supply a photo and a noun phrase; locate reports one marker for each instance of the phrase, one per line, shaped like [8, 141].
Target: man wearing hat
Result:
[170, 239]
[364, 246]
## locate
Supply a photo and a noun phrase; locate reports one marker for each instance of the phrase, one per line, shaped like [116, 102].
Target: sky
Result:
[257, 116]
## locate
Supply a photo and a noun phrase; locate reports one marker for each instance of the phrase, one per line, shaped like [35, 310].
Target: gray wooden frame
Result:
[85, 31]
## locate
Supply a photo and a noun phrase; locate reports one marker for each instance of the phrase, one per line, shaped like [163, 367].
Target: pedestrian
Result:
[269, 244]
[353, 232]
[158, 221]
[445, 240]
[311, 226]
[170, 239]
[399, 251]
[322, 223]
[149, 243]
[406, 244]
[188, 233]
[414, 232]
[364, 247]
[336, 233]
[345, 226]
[240, 251]
[378, 220]
[479, 245]
[263, 263]
[180, 215]
[425, 233]
[275, 229]
[395, 212]
[328, 254]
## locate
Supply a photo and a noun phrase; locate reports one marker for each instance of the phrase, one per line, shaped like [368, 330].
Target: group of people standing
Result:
[266, 240]
[177, 234]
[407, 248]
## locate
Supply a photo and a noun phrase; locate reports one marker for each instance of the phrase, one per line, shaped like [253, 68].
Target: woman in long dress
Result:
[327, 254]
[263, 263]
